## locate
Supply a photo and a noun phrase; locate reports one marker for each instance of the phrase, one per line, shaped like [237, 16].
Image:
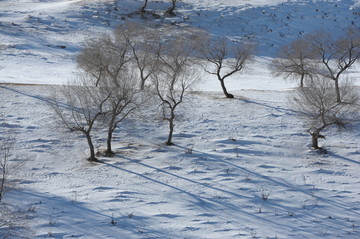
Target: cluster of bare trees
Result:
[319, 54]
[118, 73]
[103, 92]
[320, 60]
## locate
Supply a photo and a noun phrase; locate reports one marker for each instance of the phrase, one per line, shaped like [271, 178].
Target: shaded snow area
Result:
[240, 168]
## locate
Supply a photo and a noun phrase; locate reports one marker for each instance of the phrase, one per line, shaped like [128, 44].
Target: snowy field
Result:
[240, 168]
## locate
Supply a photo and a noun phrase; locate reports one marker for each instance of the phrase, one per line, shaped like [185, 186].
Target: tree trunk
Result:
[302, 80]
[315, 140]
[111, 128]
[2, 180]
[171, 126]
[224, 90]
[316, 135]
[109, 151]
[338, 96]
[142, 84]
[142, 9]
[91, 147]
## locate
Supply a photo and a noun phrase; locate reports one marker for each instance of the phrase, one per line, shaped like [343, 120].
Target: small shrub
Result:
[265, 194]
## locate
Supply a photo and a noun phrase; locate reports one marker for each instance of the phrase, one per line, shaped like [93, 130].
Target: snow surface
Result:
[240, 168]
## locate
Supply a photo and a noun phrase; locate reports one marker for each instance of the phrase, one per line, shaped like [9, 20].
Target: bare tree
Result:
[319, 107]
[294, 61]
[13, 223]
[334, 56]
[171, 92]
[123, 99]
[7, 141]
[79, 107]
[226, 60]
[174, 77]
[114, 80]
[142, 42]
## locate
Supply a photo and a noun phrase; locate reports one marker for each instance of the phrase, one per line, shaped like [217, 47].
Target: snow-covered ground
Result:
[240, 168]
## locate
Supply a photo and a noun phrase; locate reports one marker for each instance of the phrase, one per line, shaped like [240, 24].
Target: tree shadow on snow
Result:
[60, 217]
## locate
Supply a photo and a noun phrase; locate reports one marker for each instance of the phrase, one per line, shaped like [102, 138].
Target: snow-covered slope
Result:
[39, 40]
[240, 168]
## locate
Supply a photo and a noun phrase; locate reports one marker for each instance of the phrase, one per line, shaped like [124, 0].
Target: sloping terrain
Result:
[240, 168]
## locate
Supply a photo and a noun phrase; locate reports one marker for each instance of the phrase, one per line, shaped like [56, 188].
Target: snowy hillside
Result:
[240, 168]
[50, 33]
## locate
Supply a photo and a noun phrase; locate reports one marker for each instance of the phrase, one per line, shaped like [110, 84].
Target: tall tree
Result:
[319, 108]
[112, 77]
[174, 77]
[123, 99]
[226, 59]
[294, 61]
[84, 105]
[7, 141]
[334, 55]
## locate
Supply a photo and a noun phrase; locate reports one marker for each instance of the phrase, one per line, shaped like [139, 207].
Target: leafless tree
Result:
[320, 109]
[123, 99]
[13, 223]
[334, 55]
[294, 61]
[7, 141]
[172, 92]
[174, 77]
[113, 78]
[142, 41]
[79, 106]
[226, 60]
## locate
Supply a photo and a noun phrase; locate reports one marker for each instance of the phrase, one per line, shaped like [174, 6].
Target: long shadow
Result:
[37, 97]
[180, 177]
[279, 109]
[47, 100]
[206, 203]
[74, 217]
[154, 180]
[277, 182]
[235, 211]
[343, 158]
